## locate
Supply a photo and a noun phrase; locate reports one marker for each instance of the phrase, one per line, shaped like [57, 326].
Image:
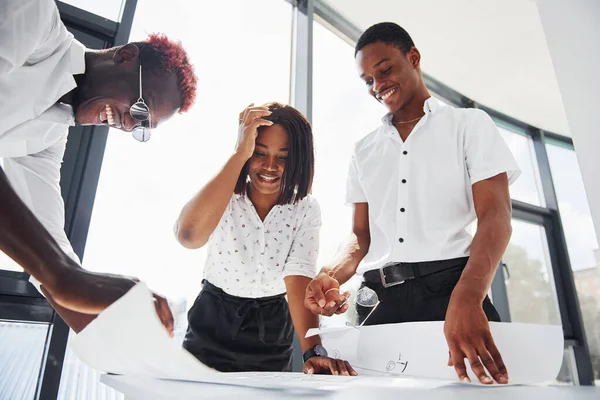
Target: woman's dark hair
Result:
[298, 173]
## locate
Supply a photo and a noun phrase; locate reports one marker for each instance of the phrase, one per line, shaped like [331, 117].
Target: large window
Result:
[143, 186]
[581, 241]
[241, 51]
[343, 112]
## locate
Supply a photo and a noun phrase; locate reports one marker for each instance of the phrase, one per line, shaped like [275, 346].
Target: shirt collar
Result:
[59, 113]
[77, 63]
[77, 52]
[429, 107]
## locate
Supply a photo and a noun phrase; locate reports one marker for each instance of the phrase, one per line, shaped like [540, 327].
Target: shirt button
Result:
[402, 209]
[401, 240]
[405, 152]
[403, 180]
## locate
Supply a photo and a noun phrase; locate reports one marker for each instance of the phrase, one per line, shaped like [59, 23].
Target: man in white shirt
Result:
[48, 82]
[416, 184]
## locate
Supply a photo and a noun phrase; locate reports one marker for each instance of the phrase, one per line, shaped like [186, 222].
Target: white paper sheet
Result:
[532, 353]
[279, 385]
[298, 380]
[128, 338]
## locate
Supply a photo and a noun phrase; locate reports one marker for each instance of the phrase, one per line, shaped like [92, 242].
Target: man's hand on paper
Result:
[328, 366]
[164, 313]
[324, 297]
[468, 335]
[84, 294]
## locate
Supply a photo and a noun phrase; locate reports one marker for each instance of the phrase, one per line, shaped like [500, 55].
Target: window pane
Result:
[23, 346]
[530, 285]
[241, 52]
[528, 186]
[529, 282]
[109, 9]
[78, 381]
[581, 240]
[343, 112]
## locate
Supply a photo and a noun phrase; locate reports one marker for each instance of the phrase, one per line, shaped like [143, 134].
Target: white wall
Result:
[572, 30]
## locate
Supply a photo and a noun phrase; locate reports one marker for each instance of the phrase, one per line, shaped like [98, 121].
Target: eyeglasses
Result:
[140, 112]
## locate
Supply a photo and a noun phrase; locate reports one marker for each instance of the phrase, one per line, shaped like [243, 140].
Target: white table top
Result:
[337, 388]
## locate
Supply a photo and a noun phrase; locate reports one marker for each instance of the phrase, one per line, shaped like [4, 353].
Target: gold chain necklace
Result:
[408, 122]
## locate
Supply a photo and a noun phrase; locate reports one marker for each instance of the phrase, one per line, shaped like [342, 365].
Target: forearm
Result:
[346, 261]
[489, 244]
[25, 240]
[302, 318]
[200, 216]
[76, 320]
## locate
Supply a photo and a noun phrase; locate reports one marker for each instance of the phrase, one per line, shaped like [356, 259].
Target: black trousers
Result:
[424, 298]
[234, 334]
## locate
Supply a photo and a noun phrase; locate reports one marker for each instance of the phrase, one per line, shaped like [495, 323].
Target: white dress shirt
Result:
[38, 58]
[420, 191]
[249, 258]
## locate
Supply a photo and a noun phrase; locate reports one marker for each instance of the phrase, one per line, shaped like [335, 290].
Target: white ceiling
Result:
[492, 51]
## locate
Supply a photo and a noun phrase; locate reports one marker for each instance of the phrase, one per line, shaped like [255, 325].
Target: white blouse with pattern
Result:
[248, 257]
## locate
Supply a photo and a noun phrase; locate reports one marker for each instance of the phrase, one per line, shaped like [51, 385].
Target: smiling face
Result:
[111, 86]
[268, 162]
[391, 76]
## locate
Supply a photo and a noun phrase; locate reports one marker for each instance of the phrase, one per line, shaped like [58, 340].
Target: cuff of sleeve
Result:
[37, 284]
[298, 271]
[513, 174]
[354, 200]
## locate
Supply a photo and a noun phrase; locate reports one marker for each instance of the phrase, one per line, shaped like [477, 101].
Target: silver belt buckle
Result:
[382, 276]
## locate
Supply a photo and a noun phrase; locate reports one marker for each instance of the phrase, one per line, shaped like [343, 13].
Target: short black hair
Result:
[299, 170]
[386, 32]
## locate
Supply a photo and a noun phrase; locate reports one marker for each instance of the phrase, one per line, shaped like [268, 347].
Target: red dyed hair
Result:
[160, 53]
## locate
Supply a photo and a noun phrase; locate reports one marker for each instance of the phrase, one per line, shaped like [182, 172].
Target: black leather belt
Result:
[396, 273]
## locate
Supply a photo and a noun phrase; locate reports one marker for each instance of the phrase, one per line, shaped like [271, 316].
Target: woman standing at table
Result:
[262, 229]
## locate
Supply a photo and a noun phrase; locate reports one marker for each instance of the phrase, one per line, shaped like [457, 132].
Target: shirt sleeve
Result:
[36, 179]
[302, 259]
[354, 191]
[486, 152]
[25, 26]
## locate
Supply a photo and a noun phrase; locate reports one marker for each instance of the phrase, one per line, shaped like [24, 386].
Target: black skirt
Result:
[234, 334]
